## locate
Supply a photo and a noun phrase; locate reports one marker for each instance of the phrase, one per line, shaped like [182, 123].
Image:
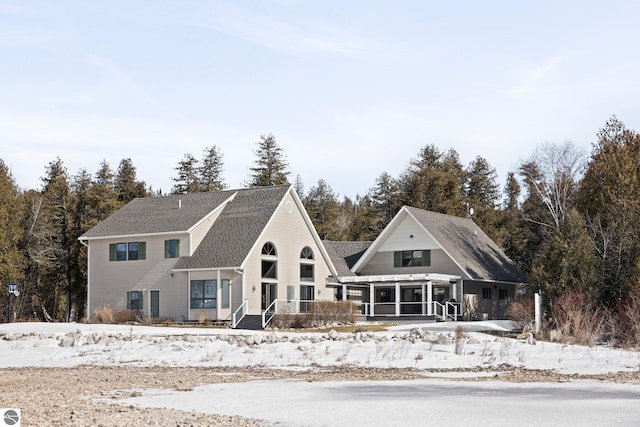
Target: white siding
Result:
[289, 233]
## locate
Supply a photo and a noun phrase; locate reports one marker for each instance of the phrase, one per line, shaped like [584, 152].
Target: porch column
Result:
[455, 290]
[372, 299]
[397, 299]
[461, 298]
[218, 295]
[344, 292]
[429, 298]
[424, 299]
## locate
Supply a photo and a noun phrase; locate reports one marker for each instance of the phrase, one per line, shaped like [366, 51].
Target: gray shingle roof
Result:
[469, 246]
[236, 230]
[159, 214]
[229, 240]
[344, 255]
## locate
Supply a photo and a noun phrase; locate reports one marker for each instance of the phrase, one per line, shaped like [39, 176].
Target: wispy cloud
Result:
[534, 79]
[294, 38]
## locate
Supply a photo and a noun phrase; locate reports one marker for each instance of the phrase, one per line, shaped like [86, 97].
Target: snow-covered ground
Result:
[425, 346]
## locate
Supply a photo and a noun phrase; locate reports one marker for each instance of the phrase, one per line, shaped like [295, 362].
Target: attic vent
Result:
[179, 203]
[475, 232]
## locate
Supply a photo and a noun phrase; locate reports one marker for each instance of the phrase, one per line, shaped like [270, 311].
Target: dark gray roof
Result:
[159, 214]
[229, 240]
[469, 246]
[236, 230]
[344, 255]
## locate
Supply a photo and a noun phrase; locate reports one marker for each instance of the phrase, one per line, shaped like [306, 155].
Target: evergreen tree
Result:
[365, 223]
[270, 164]
[49, 242]
[567, 261]
[126, 184]
[299, 187]
[323, 208]
[385, 201]
[188, 180]
[609, 198]
[435, 181]
[12, 260]
[210, 171]
[482, 194]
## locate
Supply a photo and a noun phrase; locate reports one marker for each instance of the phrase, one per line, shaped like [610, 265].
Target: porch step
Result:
[250, 322]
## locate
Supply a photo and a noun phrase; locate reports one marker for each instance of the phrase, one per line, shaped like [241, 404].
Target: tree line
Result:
[568, 219]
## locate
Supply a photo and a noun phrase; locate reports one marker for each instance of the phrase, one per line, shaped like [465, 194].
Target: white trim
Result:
[398, 278]
[216, 209]
[128, 236]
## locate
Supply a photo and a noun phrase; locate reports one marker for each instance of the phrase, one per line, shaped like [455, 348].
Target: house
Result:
[229, 255]
[244, 255]
[426, 265]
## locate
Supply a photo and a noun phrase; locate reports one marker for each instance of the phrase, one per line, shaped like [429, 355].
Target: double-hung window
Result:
[135, 300]
[172, 248]
[130, 251]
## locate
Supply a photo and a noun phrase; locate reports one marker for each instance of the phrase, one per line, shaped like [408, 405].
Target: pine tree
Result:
[12, 260]
[323, 208]
[187, 180]
[270, 164]
[210, 171]
[126, 184]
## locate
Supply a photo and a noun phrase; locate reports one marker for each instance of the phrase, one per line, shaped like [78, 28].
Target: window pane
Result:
[210, 289]
[133, 251]
[269, 269]
[121, 252]
[209, 303]
[225, 293]
[196, 289]
[306, 272]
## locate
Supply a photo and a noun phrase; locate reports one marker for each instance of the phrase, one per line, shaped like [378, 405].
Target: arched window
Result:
[306, 264]
[269, 265]
[306, 253]
[269, 249]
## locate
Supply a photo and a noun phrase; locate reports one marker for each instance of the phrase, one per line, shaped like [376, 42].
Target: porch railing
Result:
[269, 313]
[239, 314]
[440, 310]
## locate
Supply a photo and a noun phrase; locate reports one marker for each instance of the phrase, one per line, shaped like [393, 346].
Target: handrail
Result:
[443, 312]
[265, 321]
[234, 317]
[454, 305]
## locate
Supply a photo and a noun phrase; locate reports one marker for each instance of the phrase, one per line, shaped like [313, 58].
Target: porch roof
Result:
[378, 278]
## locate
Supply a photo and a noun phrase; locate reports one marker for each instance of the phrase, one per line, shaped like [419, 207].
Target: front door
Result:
[155, 303]
[269, 294]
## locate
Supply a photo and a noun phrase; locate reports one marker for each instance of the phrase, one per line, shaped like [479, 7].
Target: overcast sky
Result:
[350, 89]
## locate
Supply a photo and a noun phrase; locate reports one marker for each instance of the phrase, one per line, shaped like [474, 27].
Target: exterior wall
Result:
[382, 263]
[401, 240]
[478, 308]
[109, 281]
[289, 234]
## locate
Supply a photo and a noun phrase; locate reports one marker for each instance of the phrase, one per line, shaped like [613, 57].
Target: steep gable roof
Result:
[236, 230]
[465, 243]
[344, 255]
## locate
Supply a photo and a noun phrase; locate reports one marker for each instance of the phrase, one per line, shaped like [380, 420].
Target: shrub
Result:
[103, 314]
[130, 316]
[578, 317]
[327, 312]
[522, 312]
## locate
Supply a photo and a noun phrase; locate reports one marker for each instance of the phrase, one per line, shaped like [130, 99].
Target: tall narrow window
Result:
[269, 264]
[225, 293]
[172, 248]
[306, 264]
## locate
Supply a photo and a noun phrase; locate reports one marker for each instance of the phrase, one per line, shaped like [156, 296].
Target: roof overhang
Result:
[381, 278]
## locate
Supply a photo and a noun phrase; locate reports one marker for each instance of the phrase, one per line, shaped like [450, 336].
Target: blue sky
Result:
[350, 89]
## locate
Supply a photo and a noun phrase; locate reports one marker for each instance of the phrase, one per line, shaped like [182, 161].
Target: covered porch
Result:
[397, 296]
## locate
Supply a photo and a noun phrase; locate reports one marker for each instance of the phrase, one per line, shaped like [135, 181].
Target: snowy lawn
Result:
[427, 347]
